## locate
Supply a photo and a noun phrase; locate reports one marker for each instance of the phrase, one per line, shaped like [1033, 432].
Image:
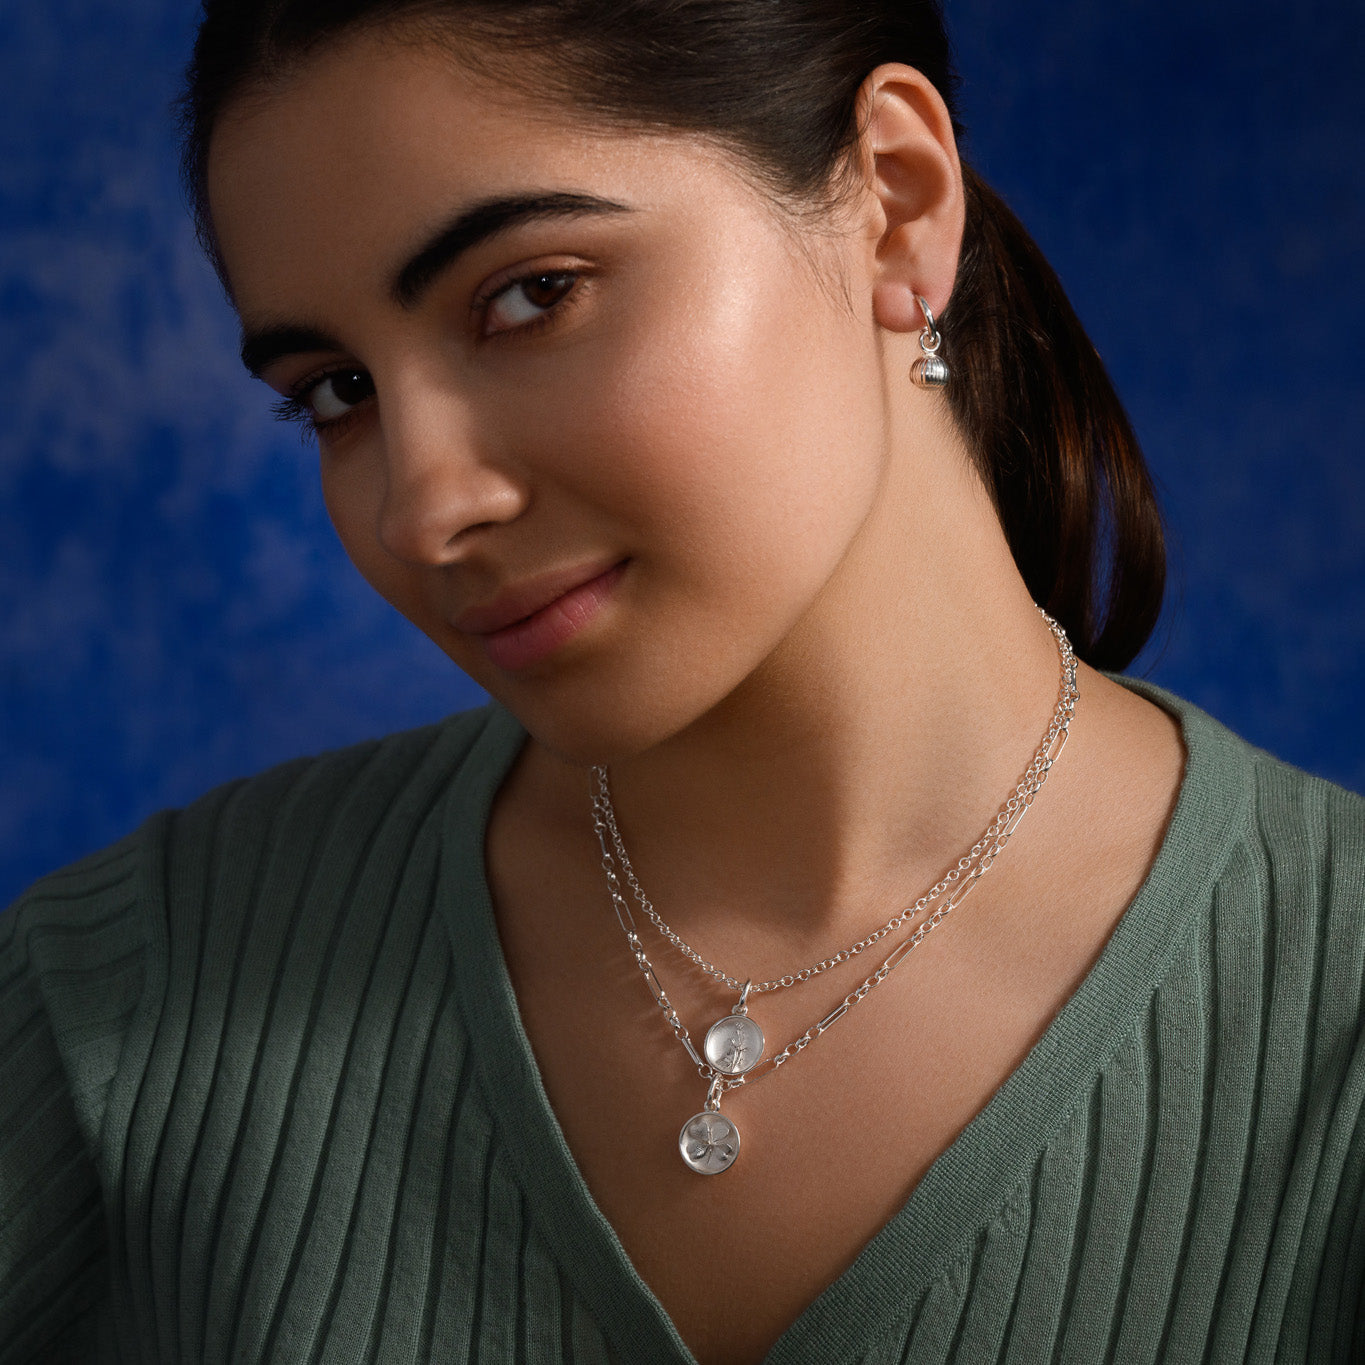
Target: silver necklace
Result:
[732, 1052]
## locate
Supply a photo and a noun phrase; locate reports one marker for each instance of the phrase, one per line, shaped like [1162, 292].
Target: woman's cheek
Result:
[728, 467]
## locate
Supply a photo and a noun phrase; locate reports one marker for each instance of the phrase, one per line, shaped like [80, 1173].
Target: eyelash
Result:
[294, 406]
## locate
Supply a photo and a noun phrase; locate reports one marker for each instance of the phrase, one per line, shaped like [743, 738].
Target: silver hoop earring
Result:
[929, 371]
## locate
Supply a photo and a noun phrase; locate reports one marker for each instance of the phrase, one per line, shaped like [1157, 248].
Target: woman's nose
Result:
[440, 486]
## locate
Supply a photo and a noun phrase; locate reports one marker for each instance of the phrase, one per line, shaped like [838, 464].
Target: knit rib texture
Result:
[265, 1097]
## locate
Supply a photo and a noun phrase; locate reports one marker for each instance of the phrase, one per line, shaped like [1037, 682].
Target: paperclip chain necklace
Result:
[709, 1140]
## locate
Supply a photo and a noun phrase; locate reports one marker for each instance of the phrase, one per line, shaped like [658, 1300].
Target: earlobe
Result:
[909, 156]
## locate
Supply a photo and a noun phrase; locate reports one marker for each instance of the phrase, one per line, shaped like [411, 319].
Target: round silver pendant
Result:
[734, 1044]
[709, 1142]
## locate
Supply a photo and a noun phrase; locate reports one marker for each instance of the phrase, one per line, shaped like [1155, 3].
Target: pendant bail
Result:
[712, 1105]
[743, 1007]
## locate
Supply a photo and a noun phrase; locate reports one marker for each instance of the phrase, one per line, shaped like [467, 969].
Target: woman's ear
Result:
[908, 158]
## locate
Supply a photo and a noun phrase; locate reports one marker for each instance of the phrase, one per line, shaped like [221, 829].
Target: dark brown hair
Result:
[776, 82]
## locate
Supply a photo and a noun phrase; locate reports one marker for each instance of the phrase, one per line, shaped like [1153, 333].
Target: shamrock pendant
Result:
[709, 1142]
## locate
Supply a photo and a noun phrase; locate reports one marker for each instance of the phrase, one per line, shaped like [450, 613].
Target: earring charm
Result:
[929, 371]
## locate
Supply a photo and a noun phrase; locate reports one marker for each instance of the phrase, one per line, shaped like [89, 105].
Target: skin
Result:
[818, 679]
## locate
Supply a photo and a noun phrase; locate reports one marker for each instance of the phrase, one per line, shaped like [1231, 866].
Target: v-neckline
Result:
[968, 1182]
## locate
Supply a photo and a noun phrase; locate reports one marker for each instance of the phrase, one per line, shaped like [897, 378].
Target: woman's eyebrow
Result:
[262, 346]
[481, 221]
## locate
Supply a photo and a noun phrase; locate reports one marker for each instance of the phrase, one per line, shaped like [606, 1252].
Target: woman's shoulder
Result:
[82, 944]
[1301, 819]
[1263, 855]
[1291, 817]
[265, 807]
[348, 793]
[215, 938]
[1298, 868]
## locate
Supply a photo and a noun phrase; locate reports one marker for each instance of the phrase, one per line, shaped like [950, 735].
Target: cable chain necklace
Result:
[732, 1053]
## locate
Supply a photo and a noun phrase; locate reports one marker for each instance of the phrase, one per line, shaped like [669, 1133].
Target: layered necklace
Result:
[732, 1053]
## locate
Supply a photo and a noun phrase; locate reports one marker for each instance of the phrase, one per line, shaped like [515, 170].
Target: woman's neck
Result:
[864, 757]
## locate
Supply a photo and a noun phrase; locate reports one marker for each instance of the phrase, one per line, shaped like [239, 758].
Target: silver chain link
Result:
[963, 877]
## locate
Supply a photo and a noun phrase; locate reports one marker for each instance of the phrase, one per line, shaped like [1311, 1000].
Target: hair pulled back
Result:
[776, 82]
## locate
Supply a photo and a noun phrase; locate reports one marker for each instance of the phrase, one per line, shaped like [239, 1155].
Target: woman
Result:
[732, 434]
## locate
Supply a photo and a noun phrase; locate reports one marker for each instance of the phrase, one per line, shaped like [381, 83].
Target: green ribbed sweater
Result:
[248, 1110]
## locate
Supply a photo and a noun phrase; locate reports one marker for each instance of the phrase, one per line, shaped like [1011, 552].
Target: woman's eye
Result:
[325, 403]
[335, 394]
[527, 301]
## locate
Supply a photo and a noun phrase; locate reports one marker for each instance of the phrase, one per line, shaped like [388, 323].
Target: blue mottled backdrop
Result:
[175, 610]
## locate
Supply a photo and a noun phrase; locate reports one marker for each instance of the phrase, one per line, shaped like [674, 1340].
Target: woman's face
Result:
[644, 418]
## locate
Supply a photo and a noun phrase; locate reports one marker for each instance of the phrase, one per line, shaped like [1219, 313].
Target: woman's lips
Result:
[538, 635]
